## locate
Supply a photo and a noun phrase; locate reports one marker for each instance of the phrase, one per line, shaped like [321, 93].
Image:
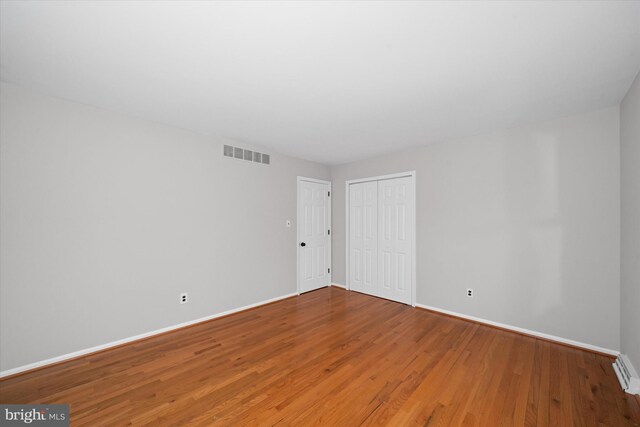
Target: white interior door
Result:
[380, 240]
[363, 234]
[313, 235]
[395, 232]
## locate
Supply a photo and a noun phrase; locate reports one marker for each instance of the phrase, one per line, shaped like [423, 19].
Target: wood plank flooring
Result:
[332, 357]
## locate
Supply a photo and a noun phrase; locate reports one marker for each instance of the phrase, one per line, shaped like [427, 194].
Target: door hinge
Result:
[328, 270]
[329, 232]
[329, 193]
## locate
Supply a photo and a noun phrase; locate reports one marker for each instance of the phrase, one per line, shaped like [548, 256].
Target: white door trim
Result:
[382, 177]
[411, 174]
[319, 181]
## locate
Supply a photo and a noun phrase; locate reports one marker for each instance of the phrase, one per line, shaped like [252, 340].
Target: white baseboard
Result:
[524, 331]
[339, 286]
[627, 375]
[134, 338]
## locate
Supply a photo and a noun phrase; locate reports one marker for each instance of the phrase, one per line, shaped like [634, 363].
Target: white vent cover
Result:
[627, 376]
[243, 154]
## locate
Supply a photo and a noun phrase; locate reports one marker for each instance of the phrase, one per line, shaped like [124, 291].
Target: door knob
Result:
[303, 244]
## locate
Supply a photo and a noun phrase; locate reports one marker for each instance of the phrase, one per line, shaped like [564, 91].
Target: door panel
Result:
[356, 238]
[395, 245]
[363, 235]
[313, 211]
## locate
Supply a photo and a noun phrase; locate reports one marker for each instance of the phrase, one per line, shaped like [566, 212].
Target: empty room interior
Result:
[320, 213]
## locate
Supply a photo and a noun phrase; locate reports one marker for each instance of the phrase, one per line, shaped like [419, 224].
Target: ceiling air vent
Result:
[249, 155]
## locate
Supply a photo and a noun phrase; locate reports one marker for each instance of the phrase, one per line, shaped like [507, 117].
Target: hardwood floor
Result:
[333, 357]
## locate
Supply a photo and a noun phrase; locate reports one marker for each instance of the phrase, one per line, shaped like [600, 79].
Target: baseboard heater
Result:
[627, 375]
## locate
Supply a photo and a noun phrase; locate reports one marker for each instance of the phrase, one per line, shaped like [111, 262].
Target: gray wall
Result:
[630, 195]
[105, 219]
[529, 218]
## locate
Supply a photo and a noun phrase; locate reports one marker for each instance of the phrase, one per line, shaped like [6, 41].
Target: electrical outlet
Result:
[184, 298]
[470, 293]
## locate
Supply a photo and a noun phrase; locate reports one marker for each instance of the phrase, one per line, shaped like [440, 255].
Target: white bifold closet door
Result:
[395, 222]
[363, 234]
[380, 233]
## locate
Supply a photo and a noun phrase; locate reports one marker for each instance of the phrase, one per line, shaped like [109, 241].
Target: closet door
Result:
[395, 215]
[363, 237]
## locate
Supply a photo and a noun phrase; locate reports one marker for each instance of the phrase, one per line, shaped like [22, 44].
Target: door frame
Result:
[299, 179]
[412, 175]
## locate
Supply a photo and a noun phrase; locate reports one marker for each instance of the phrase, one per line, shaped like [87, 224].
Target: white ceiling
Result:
[330, 82]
